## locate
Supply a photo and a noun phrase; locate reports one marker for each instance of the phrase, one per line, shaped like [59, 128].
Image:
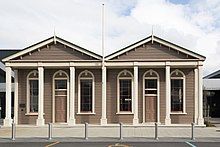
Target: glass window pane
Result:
[86, 95]
[33, 84]
[151, 83]
[176, 94]
[125, 94]
[60, 84]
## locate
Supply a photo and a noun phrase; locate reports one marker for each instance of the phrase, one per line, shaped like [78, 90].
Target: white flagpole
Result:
[103, 31]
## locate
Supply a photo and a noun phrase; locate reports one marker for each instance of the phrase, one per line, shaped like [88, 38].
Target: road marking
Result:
[118, 145]
[52, 144]
[190, 144]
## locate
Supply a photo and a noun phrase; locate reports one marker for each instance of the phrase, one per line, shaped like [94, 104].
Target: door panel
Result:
[150, 108]
[60, 109]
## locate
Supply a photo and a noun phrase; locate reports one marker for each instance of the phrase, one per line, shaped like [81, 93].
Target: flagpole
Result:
[103, 31]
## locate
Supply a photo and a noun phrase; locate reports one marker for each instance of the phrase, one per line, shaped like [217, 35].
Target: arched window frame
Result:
[79, 91]
[35, 72]
[173, 75]
[61, 78]
[157, 77]
[118, 91]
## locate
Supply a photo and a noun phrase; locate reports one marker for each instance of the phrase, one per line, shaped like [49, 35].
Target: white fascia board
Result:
[79, 49]
[25, 51]
[178, 49]
[128, 49]
[211, 84]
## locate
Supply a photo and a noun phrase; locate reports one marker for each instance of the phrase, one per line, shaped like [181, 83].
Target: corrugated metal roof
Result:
[211, 84]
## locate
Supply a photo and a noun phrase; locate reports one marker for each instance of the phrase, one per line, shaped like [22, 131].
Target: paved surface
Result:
[110, 144]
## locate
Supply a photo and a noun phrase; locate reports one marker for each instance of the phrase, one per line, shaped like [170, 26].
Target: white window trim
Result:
[28, 92]
[176, 72]
[53, 93]
[118, 92]
[158, 93]
[79, 93]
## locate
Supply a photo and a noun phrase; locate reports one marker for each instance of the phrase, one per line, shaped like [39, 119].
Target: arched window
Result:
[177, 91]
[125, 91]
[86, 92]
[32, 92]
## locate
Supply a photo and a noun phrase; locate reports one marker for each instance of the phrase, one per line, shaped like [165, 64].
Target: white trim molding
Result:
[86, 72]
[175, 75]
[72, 120]
[157, 77]
[28, 78]
[119, 77]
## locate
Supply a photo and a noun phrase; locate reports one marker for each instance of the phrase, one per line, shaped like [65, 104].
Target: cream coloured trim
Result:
[118, 91]
[53, 93]
[28, 50]
[158, 93]
[99, 64]
[128, 49]
[177, 71]
[28, 91]
[196, 96]
[16, 96]
[93, 92]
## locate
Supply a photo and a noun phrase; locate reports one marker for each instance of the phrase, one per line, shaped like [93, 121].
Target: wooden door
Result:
[61, 101]
[61, 109]
[150, 108]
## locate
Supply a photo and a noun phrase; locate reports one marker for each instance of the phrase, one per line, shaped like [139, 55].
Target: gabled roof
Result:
[48, 41]
[154, 39]
[216, 73]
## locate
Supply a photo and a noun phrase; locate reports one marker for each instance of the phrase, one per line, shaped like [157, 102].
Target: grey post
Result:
[49, 131]
[86, 131]
[13, 131]
[192, 132]
[156, 131]
[121, 132]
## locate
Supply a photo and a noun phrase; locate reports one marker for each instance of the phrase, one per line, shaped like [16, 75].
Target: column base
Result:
[200, 121]
[40, 122]
[167, 121]
[7, 122]
[103, 121]
[72, 122]
[135, 121]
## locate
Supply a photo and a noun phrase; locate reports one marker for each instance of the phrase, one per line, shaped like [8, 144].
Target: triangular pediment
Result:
[53, 49]
[154, 48]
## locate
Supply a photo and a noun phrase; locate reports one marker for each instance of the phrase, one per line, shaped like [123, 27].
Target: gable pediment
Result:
[154, 48]
[153, 51]
[53, 48]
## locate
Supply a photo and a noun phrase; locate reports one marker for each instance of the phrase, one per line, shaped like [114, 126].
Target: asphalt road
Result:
[110, 144]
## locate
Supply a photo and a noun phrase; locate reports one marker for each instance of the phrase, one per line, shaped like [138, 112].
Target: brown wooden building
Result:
[149, 81]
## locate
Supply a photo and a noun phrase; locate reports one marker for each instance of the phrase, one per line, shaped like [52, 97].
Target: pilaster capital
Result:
[167, 63]
[71, 64]
[200, 63]
[40, 64]
[135, 64]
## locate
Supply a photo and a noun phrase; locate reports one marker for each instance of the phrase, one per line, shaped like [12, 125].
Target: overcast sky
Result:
[193, 24]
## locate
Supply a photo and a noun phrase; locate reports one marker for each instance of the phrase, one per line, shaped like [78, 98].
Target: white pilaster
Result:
[16, 96]
[196, 96]
[135, 119]
[200, 90]
[40, 119]
[168, 95]
[8, 120]
[72, 96]
[103, 120]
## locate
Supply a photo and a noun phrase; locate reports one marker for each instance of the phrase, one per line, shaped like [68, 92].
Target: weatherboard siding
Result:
[55, 52]
[152, 51]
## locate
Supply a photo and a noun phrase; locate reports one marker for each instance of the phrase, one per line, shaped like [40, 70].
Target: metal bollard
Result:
[121, 127]
[13, 131]
[86, 131]
[192, 131]
[49, 131]
[156, 131]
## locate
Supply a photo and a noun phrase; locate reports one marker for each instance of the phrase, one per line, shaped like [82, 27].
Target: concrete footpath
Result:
[78, 132]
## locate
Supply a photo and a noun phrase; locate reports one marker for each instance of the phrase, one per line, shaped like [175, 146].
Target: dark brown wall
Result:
[56, 52]
[111, 97]
[152, 51]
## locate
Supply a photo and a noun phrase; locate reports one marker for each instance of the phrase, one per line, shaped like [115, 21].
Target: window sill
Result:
[124, 113]
[84, 113]
[31, 114]
[178, 113]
